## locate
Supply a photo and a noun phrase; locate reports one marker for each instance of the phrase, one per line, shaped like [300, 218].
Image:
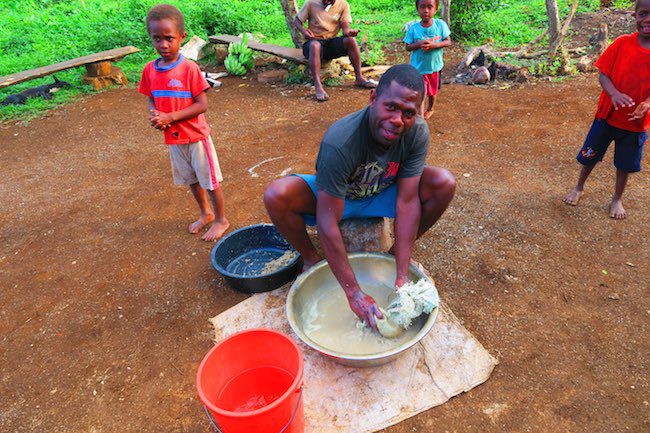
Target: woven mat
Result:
[448, 361]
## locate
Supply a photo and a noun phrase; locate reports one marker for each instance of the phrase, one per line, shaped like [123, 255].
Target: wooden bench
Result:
[292, 54]
[100, 71]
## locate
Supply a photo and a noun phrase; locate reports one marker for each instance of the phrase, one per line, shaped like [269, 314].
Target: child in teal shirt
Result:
[425, 40]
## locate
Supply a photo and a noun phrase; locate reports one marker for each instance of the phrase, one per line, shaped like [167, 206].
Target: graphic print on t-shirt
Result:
[371, 178]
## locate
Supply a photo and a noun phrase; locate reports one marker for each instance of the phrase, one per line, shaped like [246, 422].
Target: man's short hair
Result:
[405, 75]
[165, 11]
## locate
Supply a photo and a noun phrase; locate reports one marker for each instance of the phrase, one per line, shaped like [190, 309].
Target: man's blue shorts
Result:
[383, 204]
[628, 150]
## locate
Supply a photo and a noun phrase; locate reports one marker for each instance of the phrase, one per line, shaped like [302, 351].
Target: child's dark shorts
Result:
[627, 151]
[329, 48]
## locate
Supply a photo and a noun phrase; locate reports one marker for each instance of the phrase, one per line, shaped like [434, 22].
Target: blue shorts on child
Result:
[628, 150]
[382, 204]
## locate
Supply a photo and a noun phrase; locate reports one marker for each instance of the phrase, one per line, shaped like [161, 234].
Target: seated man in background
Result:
[370, 164]
[326, 18]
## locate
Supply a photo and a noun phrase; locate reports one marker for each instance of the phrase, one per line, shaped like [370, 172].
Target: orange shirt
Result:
[627, 64]
[173, 88]
[325, 24]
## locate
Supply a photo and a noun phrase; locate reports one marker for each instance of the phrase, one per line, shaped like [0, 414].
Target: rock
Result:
[272, 76]
[584, 64]
[480, 76]
[192, 49]
[335, 68]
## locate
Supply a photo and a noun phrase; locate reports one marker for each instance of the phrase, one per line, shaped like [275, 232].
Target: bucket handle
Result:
[214, 425]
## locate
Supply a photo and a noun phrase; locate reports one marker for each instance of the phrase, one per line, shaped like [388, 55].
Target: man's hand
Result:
[308, 34]
[160, 120]
[621, 100]
[641, 111]
[352, 33]
[365, 308]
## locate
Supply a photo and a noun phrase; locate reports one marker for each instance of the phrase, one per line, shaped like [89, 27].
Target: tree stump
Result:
[362, 235]
[115, 76]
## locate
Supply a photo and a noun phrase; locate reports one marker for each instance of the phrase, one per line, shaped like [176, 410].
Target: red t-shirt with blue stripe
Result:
[173, 88]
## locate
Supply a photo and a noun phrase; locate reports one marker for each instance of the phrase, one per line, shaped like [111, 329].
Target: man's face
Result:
[392, 113]
[642, 16]
[166, 38]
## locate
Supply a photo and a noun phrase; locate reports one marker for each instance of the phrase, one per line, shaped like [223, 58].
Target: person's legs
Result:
[616, 209]
[314, 49]
[286, 200]
[574, 196]
[353, 52]
[220, 224]
[627, 159]
[592, 152]
[437, 189]
[206, 216]
[429, 111]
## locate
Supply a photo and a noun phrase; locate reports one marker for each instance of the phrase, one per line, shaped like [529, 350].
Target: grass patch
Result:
[42, 32]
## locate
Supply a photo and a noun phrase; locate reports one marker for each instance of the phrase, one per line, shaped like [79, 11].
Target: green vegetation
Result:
[41, 32]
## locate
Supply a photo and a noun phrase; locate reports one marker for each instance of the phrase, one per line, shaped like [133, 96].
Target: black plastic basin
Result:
[242, 255]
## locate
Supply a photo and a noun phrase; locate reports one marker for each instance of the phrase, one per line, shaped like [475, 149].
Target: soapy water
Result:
[330, 322]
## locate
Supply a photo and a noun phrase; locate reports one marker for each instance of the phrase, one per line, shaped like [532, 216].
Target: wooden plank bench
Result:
[100, 71]
[292, 54]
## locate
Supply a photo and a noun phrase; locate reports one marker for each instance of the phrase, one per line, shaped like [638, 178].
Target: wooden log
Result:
[112, 55]
[292, 54]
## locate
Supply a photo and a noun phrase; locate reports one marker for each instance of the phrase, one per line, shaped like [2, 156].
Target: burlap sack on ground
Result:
[448, 361]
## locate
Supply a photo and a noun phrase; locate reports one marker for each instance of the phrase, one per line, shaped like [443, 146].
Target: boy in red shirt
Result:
[177, 100]
[622, 113]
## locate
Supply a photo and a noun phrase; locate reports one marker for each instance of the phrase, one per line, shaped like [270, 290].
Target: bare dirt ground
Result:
[105, 297]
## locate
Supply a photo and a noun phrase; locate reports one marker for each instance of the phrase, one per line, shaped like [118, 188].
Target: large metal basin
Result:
[368, 268]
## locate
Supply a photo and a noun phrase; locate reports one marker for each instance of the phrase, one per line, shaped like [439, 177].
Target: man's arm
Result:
[347, 31]
[162, 120]
[308, 34]
[407, 221]
[329, 210]
[618, 99]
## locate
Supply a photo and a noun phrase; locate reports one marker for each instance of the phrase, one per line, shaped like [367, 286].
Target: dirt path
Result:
[105, 297]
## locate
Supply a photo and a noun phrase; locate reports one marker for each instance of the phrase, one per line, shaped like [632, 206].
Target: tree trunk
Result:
[445, 6]
[553, 26]
[290, 11]
[555, 33]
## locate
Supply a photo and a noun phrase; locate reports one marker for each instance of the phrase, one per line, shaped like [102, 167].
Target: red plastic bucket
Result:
[251, 382]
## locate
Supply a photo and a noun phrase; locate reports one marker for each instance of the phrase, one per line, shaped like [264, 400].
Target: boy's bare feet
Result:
[616, 210]
[573, 197]
[216, 230]
[197, 225]
[428, 114]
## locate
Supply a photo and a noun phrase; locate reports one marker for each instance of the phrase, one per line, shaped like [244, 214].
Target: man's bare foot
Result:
[216, 230]
[322, 96]
[197, 225]
[573, 197]
[428, 114]
[616, 210]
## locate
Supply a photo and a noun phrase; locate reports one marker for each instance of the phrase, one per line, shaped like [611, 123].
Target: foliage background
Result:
[41, 32]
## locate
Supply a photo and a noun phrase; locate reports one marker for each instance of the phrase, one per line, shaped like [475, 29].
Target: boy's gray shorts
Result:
[196, 162]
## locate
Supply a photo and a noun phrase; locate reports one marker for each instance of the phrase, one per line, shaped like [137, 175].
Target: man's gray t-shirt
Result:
[352, 165]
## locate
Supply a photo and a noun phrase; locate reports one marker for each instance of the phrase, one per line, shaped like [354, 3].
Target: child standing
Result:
[177, 100]
[622, 113]
[426, 40]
